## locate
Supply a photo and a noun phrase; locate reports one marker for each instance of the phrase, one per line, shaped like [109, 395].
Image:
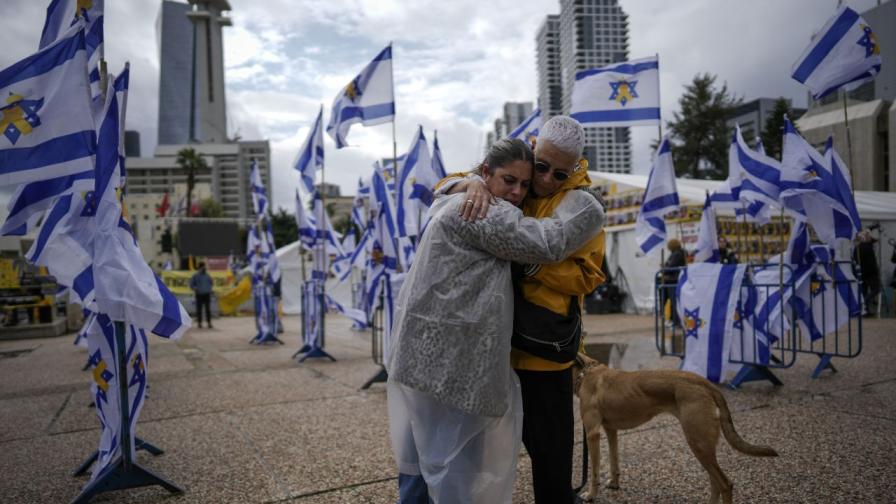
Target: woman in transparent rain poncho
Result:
[455, 410]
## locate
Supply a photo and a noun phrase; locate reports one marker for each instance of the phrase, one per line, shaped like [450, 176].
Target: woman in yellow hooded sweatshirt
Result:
[546, 386]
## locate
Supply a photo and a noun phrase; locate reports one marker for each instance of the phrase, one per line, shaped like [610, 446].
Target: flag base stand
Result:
[138, 443]
[824, 364]
[751, 372]
[317, 352]
[305, 349]
[123, 472]
[268, 338]
[380, 377]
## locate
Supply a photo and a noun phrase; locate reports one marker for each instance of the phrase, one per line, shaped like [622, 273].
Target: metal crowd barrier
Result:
[763, 344]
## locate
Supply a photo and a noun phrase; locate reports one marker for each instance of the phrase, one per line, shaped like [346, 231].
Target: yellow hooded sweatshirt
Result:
[553, 284]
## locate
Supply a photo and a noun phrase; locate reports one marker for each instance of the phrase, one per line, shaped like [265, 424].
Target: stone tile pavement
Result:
[246, 424]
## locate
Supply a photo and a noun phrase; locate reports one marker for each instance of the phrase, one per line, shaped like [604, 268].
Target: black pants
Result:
[206, 301]
[548, 433]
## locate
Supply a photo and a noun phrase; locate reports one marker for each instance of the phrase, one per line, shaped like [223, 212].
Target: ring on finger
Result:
[469, 202]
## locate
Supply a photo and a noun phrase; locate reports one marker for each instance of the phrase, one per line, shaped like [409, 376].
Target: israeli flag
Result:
[708, 239]
[126, 288]
[46, 121]
[528, 129]
[358, 256]
[383, 254]
[359, 212]
[810, 189]
[728, 194]
[414, 186]
[325, 233]
[259, 196]
[621, 94]
[103, 363]
[29, 202]
[355, 315]
[438, 164]
[307, 230]
[845, 226]
[311, 155]
[368, 99]
[826, 301]
[271, 251]
[759, 147]
[759, 175]
[750, 343]
[707, 303]
[660, 198]
[843, 54]
[62, 15]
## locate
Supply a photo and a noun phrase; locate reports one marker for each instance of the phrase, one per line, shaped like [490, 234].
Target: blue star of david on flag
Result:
[692, 322]
[623, 91]
[869, 41]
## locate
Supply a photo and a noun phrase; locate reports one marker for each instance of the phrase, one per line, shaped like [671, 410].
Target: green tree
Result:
[191, 162]
[699, 131]
[210, 207]
[283, 225]
[773, 130]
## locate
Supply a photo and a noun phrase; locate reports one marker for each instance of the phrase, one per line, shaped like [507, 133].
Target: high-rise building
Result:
[594, 33]
[514, 115]
[547, 52]
[192, 105]
[229, 167]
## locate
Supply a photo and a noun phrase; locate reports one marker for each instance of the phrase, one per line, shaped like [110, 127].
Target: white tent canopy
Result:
[634, 272]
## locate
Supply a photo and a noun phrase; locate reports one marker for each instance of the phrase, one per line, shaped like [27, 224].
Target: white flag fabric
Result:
[368, 99]
[707, 249]
[259, 194]
[311, 155]
[728, 194]
[845, 225]
[843, 54]
[307, 230]
[61, 15]
[759, 175]
[46, 121]
[809, 188]
[413, 188]
[621, 94]
[660, 198]
[528, 129]
[126, 288]
[438, 164]
[707, 303]
[103, 362]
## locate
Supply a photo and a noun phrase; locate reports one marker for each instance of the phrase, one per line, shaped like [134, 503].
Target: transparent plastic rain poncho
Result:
[455, 410]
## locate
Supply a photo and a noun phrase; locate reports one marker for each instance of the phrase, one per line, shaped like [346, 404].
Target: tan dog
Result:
[618, 400]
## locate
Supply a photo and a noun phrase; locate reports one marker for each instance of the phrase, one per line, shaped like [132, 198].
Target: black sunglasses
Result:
[559, 176]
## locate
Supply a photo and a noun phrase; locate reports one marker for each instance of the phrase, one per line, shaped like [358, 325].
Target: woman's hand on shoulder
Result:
[477, 200]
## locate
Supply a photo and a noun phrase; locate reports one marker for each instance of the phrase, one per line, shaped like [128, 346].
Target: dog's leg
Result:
[592, 423]
[613, 443]
[700, 423]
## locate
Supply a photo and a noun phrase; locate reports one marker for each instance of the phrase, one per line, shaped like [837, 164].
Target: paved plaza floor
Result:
[246, 424]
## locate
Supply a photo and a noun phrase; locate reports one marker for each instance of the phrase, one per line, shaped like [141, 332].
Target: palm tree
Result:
[190, 162]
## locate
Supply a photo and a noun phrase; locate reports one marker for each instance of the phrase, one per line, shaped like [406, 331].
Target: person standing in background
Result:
[201, 283]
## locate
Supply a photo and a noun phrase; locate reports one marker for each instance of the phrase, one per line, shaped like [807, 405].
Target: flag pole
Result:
[852, 181]
[324, 258]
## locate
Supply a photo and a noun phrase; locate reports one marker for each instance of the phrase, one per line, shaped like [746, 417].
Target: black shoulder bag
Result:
[543, 333]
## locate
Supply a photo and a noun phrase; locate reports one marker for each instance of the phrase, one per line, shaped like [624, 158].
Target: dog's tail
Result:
[731, 435]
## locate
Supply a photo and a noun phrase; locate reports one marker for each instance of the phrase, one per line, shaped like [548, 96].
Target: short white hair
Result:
[564, 133]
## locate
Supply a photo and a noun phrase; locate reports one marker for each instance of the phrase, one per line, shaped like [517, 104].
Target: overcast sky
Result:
[455, 64]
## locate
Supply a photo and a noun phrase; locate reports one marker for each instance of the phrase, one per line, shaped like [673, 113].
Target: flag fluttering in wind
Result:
[660, 198]
[708, 239]
[759, 175]
[843, 54]
[413, 189]
[438, 164]
[259, 194]
[621, 94]
[61, 15]
[311, 155]
[812, 191]
[528, 129]
[707, 303]
[728, 194]
[368, 99]
[46, 120]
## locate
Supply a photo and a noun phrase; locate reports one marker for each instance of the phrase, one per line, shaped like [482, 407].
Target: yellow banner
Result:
[179, 281]
[9, 277]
